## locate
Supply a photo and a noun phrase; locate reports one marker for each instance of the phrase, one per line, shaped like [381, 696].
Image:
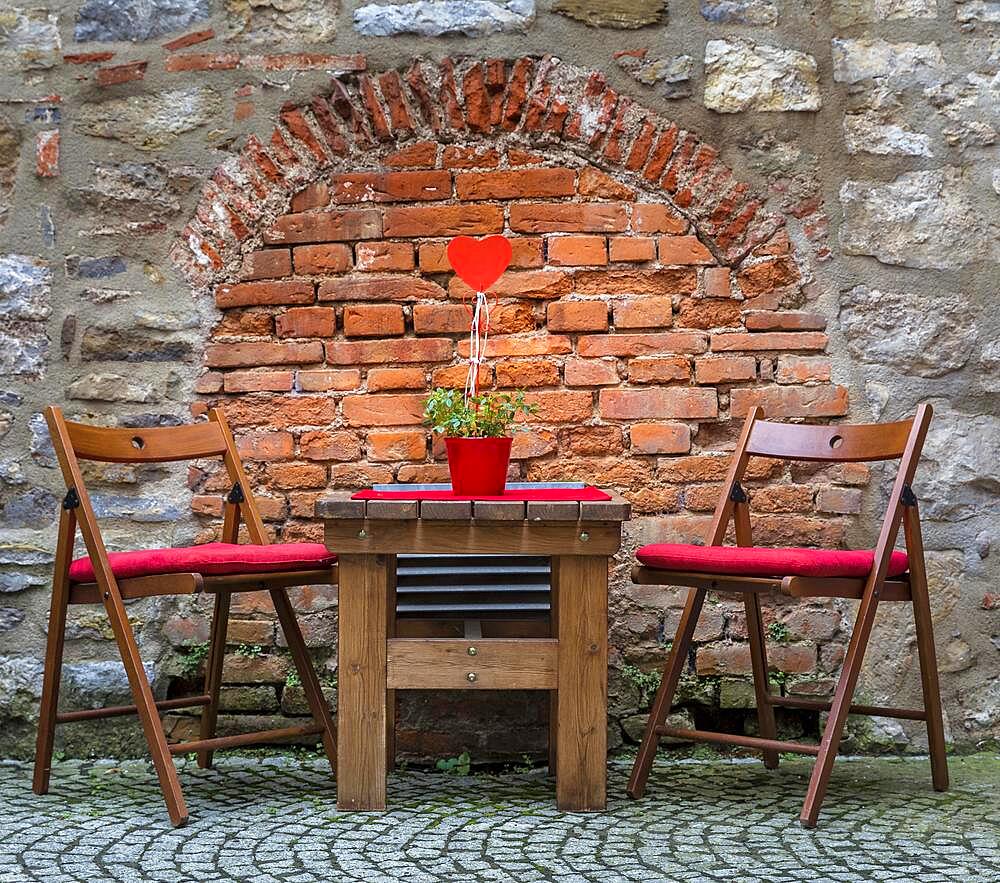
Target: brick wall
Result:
[834, 162]
[649, 304]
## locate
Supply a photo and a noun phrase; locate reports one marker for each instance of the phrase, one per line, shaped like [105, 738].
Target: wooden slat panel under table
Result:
[571, 664]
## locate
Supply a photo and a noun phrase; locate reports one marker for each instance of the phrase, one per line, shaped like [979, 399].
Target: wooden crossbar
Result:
[259, 737]
[911, 714]
[87, 714]
[742, 741]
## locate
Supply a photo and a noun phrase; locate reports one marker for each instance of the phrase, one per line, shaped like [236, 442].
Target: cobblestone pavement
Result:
[274, 819]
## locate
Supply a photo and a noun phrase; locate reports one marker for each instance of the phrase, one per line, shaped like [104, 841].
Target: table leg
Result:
[361, 684]
[391, 699]
[582, 728]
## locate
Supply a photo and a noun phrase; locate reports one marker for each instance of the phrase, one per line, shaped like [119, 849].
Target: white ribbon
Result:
[478, 336]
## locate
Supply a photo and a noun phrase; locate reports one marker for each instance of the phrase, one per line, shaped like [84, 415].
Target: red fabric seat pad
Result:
[758, 561]
[210, 559]
[551, 494]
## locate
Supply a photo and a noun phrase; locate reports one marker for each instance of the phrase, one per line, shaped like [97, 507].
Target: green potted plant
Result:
[477, 436]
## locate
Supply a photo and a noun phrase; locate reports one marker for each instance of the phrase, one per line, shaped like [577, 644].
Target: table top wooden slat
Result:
[615, 509]
[553, 510]
[446, 510]
[498, 510]
[338, 506]
[395, 510]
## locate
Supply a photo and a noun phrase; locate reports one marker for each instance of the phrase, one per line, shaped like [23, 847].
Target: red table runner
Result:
[513, 494]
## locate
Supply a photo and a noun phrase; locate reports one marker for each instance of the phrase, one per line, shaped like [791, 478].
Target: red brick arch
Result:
[537, 103]
[652, 297]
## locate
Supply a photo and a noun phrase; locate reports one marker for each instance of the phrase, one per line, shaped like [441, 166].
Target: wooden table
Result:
[572, 663]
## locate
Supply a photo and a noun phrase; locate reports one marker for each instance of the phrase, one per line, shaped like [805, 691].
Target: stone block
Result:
[277, 21]
[845, 13]
[29, 39]
[255, 699]
[432, 18]
[293, 699]
[150, 121]
[740, 12]
[10, 618]
[40, 445]
[926, 219]
[23, 349]
[978, 10]
[898, 64]
[124, 344]
[674, 71]
[110, 387]
[961, 465]
[635, 725]
[925, 335]
[25, 288]
[872, 131]
[111, 21]
[94, 268]
[625, 14]
[32, 508]
[743, 75]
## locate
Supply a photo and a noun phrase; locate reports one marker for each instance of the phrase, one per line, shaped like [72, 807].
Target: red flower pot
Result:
[478, 466]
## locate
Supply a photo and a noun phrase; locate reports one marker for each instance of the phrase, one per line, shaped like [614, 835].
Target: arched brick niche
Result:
[652, 299]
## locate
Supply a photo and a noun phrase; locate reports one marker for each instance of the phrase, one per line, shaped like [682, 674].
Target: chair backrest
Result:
[901, 441]
[838, 443]
[157, 445]
[79, 441]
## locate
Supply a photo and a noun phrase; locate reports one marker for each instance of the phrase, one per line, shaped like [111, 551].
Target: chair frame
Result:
[76, 441]
[834, 443]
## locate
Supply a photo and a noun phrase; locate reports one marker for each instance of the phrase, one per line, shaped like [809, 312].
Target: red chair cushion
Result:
[210, 559]
[757, 561]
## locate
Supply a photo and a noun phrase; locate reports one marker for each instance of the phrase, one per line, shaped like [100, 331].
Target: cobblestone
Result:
[275, 819]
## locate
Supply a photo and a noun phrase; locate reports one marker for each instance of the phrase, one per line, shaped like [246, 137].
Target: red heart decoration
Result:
[479, 262]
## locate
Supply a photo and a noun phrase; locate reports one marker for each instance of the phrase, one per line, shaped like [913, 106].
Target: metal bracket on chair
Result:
[236, 495]
[737, 494]
[907, 497]
[71, 500]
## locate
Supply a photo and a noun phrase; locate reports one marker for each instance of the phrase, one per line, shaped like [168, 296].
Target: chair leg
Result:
[213, 673]
[54, 655]
[839, 709]
[149, 715]
[307, 673]
[758, 658]
[925, 650]
[665, 694]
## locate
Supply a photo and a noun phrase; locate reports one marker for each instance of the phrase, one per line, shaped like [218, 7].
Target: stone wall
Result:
[713, 205]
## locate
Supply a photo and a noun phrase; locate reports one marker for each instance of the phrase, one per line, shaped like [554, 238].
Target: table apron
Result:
[373, 536]
[482, 664]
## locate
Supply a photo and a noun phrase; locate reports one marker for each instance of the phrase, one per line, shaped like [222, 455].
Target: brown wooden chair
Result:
[871, 577]
[217, 568]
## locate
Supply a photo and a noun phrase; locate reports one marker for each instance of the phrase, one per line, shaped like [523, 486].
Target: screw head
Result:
[584, 536]
[472, 651]
[362, 534]
[472, 677]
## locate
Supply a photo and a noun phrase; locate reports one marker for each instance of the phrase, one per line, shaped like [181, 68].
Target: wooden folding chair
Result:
[871, 577]
[217, 568]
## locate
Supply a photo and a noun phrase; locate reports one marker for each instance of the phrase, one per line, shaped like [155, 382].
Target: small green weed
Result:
[456, 766]
[779, 678]
[192, 658]
[778, 632]
[646, 682]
